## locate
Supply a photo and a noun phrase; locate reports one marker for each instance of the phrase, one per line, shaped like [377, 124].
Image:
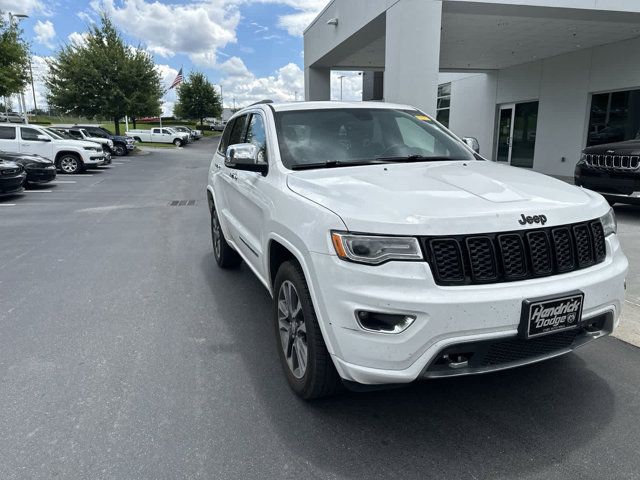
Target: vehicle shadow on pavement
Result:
[506, 424]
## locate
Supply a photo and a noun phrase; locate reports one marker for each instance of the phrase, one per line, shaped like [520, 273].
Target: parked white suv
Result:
[70, 156]
[394, 253]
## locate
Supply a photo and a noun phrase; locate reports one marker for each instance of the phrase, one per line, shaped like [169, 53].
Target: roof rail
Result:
[261, 102]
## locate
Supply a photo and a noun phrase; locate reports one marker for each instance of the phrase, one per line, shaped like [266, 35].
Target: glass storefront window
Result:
[615, 117]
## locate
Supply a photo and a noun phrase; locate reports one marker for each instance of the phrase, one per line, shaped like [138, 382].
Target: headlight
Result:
[93, 149]
[609, 223]
[374, 250]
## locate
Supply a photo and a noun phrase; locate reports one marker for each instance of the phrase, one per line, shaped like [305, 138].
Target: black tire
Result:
[226, 257]
[70, 163]
[119, 150]
[319, 378]
[177, 142]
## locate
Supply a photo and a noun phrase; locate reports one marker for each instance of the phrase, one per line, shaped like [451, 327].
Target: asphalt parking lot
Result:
[126, 354]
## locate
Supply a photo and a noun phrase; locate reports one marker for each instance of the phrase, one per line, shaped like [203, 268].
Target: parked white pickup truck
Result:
[159, 135]
[70, 156]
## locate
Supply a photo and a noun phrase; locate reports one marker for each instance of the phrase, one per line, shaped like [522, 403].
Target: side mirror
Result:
[472, 143]
[247, 157]
[43, 138]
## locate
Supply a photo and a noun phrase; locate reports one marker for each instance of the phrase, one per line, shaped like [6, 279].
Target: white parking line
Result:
[38, 191]
[55, 182]
[74, 175]
[117, 163]
[8, 204]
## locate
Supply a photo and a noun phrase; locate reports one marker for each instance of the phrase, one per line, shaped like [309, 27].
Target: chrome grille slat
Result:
[613, 162]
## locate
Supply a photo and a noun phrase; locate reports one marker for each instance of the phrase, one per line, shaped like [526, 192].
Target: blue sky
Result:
[253, 49]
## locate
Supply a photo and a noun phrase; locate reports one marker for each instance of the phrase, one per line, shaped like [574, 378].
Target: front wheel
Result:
[303, 354]
[226, 257]
[120, 150]
[177, 142]
[70, 164]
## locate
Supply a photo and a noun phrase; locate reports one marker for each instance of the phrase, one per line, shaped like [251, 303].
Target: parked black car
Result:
[12, 178]
[122, 144]
[38, 169]
[613, 170]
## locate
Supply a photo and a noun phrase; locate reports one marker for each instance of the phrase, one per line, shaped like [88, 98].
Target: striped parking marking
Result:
[55, 182]
[8, 204]
[38, 191]
[75, 175]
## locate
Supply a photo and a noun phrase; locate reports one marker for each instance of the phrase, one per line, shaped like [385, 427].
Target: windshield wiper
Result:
[416, 158]
[336, 163]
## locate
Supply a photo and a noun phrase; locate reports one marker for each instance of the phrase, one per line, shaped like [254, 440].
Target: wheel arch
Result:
[61, 153]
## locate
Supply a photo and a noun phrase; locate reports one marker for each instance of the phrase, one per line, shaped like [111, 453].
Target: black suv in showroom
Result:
[612, 169]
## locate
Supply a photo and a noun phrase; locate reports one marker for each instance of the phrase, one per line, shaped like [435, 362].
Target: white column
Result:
[317, 83]
[412, 57]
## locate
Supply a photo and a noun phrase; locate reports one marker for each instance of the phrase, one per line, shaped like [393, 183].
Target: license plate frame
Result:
[548, 322]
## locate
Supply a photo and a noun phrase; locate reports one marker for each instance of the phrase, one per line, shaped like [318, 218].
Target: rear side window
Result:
[29, 134]
[7, 133]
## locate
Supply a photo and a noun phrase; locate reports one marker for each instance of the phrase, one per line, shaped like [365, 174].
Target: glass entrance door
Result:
[505, 133]
[517, 131]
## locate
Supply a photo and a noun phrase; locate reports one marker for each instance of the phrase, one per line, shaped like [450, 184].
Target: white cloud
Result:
[27, 7]
[77, 38]
[198, 29]
[86, 17]
[45, 33]
[240, 84]
[351, 86]
[306, 11]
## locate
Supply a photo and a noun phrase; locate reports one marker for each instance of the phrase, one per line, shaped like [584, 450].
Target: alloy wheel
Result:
[292, 328]
[216, 234]
[69, 164]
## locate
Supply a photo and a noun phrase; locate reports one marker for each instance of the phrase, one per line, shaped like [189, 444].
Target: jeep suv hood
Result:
[68, 143]
[444, 198]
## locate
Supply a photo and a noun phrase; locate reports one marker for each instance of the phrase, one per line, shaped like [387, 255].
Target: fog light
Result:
[384, 322]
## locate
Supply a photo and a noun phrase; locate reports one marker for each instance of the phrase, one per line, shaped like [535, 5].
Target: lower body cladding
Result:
[616, 186]
[454, 330]
[95, 160]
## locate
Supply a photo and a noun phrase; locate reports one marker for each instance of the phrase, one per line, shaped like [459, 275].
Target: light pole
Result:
[341, 77]
[17, 17]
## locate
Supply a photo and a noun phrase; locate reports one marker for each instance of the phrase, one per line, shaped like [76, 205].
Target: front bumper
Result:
[620, 186]
[41, 175]
[12, 185]
[445, 316]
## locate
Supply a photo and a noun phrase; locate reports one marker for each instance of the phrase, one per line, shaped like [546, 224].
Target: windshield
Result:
[361, 135]
[53, 134]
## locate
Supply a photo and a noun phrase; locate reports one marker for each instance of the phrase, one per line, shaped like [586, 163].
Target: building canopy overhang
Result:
[478, 35]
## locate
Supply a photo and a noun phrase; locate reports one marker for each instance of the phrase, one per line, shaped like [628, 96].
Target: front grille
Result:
[520, 349]
[513, 256]
[613, 162]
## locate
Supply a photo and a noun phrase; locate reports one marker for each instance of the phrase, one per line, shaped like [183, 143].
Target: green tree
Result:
[197, 99]
[103, 76]
[14, 59]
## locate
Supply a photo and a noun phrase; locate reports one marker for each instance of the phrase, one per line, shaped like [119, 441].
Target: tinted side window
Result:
[29, 134]
[257, 135]
[238, 132]
[224, 141]
[7, 133]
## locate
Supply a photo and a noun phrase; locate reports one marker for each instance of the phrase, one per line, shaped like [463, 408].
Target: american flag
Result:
[177, 81]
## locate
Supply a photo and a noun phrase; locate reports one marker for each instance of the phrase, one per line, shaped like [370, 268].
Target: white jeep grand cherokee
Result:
[394, 253]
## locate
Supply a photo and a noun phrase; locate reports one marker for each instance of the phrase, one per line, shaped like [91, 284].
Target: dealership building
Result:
[535, 81]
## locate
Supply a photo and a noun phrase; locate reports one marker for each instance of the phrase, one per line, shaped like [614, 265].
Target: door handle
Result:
[234, 175]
